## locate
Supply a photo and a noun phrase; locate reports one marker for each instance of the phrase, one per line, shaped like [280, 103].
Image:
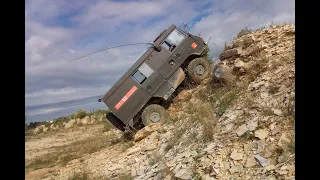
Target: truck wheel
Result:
[154, 113]
[115, 121]
[199, 69]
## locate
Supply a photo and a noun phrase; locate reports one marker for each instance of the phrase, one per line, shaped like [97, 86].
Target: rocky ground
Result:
[239, 124]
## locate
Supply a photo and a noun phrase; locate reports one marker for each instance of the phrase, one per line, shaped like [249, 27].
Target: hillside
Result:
[239, 124]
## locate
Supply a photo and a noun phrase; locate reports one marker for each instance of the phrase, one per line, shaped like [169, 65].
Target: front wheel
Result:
[199, 69]
[154, 113]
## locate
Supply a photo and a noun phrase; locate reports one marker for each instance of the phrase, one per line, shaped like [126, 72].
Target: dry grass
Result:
[79, 176]
[243, 32]
[172, 119]
[259, 67]
[267, 112]
[154, 158]
[124, 176]
[273, 89]
[204, 116]
[225, 102]
[175, 139]
[248, 136]
[290, 146]
[66, 153]
[125, 144]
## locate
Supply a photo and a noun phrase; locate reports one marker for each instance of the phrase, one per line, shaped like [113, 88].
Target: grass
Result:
[196, 176]
[172, 119]
[124, 177]
[225, 102]
[154, 158]
[79, 176]
[125, 144]
[39, 163]
[259, 67]
[243, 32]
[249, 102]
[273, 89]
[248, 136]
[290, 146]
[267, 112]
[107, 126]
[205, 117]
[69, 152]
[175, 138]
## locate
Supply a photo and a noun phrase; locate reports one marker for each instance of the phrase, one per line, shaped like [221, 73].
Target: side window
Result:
[143, 72]
[173, 40]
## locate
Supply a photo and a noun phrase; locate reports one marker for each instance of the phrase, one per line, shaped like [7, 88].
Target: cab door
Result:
[173, 46]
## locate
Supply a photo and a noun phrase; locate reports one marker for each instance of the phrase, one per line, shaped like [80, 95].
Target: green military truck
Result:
[137, 99]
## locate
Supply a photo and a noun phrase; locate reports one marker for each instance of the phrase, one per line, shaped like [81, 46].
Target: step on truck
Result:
[137, 99]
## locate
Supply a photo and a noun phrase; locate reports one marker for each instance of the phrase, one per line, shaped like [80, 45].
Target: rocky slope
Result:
[239, 124]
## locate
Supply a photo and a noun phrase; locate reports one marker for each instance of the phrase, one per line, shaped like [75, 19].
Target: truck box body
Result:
[153, 74]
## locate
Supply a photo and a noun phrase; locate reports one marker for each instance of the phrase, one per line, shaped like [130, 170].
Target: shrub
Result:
[60, 120]
[80, 114]
[244, 31]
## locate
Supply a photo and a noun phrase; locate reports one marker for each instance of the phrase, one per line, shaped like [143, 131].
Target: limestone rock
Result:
[263, 161]
[223, 73]
[277, 112]
[146, 131]
[242, 129]
[252, 125]
[248, 40]
[283, 140]
[236, 156]
[70, 124]
[250, 162]
[261, 133]
[230, 53]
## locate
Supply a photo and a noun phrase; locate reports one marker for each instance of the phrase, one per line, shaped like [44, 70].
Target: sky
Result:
[61, 30]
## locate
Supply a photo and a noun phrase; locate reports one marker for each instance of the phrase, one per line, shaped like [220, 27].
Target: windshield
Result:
[173, 40]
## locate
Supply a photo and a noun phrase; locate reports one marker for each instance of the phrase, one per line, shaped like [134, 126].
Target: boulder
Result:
[230, 53]
[70, 124]
[248, 40]
[146, 131]
[223, 73]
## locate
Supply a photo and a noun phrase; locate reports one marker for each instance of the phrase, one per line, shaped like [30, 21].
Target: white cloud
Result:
[71, 51]
[53, 92]
[51, 41]
[34, 45]
[224, 25]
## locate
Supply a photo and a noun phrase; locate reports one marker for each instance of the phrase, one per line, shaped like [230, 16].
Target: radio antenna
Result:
[107, 49]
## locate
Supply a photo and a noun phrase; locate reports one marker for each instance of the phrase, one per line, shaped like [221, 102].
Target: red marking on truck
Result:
[194, 45]
[125, 97]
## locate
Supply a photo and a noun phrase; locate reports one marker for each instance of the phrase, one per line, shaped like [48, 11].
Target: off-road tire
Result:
[151, 110]
[115, 121]
[192, 69]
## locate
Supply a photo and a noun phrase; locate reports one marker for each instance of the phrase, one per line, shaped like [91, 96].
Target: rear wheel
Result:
[199, 69]
[115, 121]
[154, 113]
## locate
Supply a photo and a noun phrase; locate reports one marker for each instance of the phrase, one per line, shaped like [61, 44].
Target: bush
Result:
[80, 114]
[244, 31]
[107, 126]
[60, 120]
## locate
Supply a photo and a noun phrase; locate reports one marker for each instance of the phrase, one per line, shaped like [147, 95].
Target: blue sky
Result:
[58, 31]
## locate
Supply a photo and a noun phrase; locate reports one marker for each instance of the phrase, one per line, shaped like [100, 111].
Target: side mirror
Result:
[157, 47]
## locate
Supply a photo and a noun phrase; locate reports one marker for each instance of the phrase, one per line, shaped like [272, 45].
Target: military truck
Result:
[137, 99]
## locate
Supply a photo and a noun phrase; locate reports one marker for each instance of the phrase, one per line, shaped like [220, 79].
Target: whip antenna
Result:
[109, 48]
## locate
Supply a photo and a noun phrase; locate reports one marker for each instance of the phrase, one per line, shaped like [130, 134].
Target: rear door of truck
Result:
[134, 92]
